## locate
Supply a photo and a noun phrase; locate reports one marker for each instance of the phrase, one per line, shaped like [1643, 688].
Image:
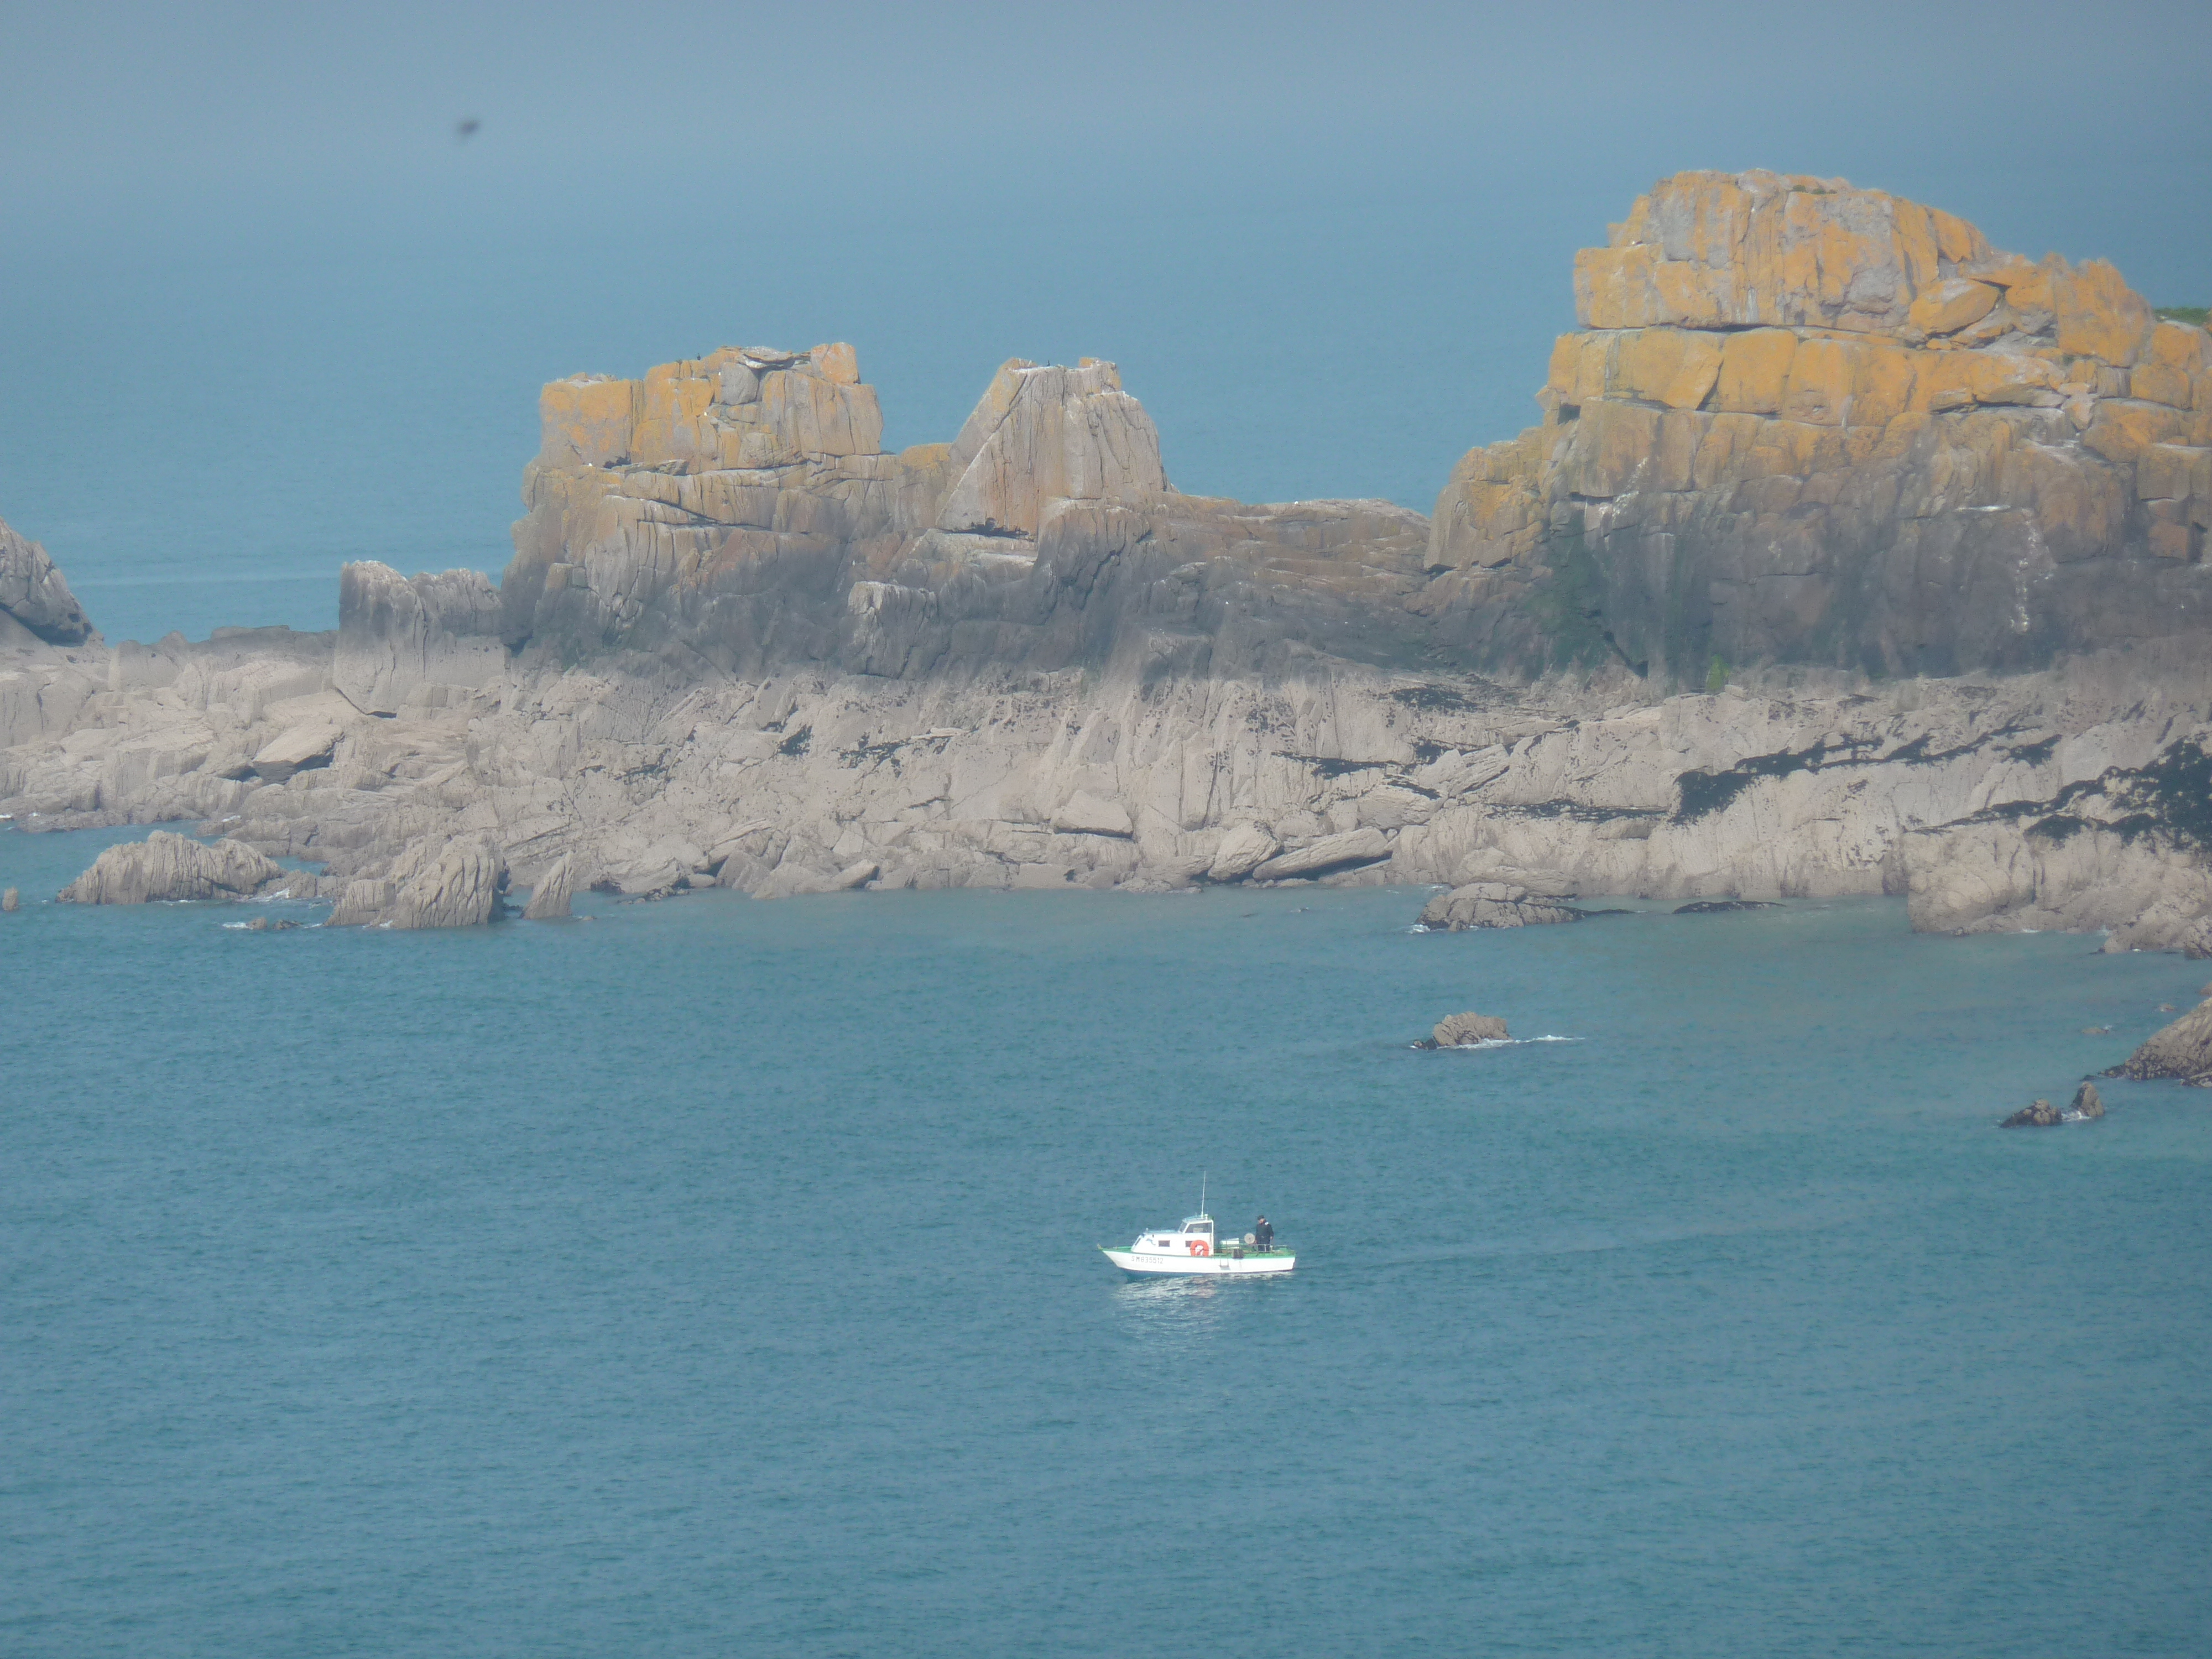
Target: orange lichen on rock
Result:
[1794, 405]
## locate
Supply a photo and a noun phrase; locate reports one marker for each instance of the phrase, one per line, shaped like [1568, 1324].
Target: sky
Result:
[263, 308]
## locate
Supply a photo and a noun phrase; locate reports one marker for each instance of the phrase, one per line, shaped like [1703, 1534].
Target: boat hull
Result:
[1251, 1265]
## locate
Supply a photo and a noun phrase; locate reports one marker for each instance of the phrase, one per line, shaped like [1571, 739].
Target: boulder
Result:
[11, 901]
[2087, 1103]
[2038, 1114]
[33, 596]
[297, 750]
[2183, 1050]
[857, 875]
[1493, 904]
[1465, 1030]
[166, 867]
[549, 900]
[1368, 846]
[1243, 850]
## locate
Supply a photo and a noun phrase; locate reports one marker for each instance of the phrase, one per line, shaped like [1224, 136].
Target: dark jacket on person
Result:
[1264, 1234]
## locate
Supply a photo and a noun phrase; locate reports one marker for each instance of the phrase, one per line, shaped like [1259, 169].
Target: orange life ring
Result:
[1200, 1247]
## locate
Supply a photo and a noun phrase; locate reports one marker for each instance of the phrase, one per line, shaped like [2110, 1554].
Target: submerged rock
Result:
[2038, 1114]
[1464, 1030]
[2181, 1050]
[1493, 904]
[2087, 1103]
[166, 867]
[1716, 907]
[549, 900]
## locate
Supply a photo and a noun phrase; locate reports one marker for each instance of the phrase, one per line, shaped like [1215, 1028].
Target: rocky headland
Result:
[1849, 556]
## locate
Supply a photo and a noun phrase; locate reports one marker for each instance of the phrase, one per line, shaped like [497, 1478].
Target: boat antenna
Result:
[1201, 1192]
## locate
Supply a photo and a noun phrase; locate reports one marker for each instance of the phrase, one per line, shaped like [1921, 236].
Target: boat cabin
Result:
[1193, 1237]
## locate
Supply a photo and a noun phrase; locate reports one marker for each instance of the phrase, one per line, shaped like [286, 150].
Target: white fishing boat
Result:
[1194, 1249]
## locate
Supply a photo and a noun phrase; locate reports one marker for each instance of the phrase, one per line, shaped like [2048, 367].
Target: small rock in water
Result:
[259, 925]
[2040, 1115]
[11, 900]
[2096, 1030]
[1463, 1031]
[2167, 1008]
[2087, 1103]
[1715, 907]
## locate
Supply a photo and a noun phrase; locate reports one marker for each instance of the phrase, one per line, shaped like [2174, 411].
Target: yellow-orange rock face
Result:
[1950, 306]
[1805, 419]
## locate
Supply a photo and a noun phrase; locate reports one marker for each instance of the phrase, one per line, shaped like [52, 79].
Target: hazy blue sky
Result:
[264, 311]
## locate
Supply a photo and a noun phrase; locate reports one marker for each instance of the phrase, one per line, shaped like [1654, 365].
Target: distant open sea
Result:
[716, 1277]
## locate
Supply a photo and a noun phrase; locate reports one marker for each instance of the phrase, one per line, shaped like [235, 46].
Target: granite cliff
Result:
[1851, 555]
[1806, 423]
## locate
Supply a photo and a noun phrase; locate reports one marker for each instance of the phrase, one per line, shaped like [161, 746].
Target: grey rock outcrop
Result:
[1243, 849]
[550, 899]
[432, 884]
[166, 868]
[1465, 1030]
[459, 887]
[33, 597]
[2087, 1103]
[1331, 852]
[296, 749]
[11, 901]
[2036, 1115]
[2181, 1050]
[1493, 904]
[398, 635]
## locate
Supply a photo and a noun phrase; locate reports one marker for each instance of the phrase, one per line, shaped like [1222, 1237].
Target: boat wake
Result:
[1497, 1042]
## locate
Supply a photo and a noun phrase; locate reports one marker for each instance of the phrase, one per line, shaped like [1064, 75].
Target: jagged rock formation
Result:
[166, 867]
[735, 512]
[1809, 428]
[2036, 1115]
[550, 899]
[455, 884]
[1461, 1031]
[35, 603]
[2183, 1050]
[1492, 904]
[1808, 424]
[2087, 1103]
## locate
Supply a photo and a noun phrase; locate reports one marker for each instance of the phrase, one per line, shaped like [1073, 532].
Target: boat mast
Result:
[1201, 1195]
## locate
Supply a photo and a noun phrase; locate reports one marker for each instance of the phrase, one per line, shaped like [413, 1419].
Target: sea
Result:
[716, 1277]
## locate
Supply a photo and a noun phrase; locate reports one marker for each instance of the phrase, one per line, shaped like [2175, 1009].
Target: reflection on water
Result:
[1169, 1313]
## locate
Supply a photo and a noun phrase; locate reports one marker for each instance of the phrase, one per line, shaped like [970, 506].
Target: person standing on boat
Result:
[1264, 1234]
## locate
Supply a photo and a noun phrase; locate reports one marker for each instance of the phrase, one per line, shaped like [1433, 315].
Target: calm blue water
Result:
[717, 1277]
